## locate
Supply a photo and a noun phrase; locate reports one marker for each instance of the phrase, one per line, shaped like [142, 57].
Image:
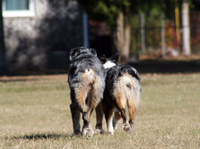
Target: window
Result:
[18, 8]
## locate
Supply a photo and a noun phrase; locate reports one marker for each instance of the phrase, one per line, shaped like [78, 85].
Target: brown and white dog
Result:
[123, 89]
[86, 79]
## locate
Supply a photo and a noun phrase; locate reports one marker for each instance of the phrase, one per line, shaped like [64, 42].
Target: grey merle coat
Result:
[123, 89]
[86, 79]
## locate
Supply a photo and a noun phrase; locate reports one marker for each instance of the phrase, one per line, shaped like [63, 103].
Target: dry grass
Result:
[34, 113]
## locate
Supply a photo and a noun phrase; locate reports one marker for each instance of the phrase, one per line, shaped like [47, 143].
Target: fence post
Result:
[186, 28]
[142, 33]
[163, 33]
[85, 29]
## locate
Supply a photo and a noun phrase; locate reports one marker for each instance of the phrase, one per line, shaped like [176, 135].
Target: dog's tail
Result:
[89, 76]
[89, 84]
[129, 87]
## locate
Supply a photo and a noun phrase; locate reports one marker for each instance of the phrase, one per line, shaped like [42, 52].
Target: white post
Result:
[142, 33]
[163, 33]
[186, 28]
[85, 29]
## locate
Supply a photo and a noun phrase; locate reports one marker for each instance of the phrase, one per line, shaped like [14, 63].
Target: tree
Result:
[2, 47]
[118, 13]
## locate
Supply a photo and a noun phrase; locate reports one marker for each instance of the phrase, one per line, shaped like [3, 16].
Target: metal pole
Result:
[142, 33]
[85, 29]
[163, 33]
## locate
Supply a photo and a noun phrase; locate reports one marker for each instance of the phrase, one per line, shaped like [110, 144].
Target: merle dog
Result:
[123, 89]
[86, 79]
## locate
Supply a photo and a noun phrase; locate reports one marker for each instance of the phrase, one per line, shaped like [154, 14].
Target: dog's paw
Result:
[126, 127]
[88, 132]
[99, 131]
[111, 132]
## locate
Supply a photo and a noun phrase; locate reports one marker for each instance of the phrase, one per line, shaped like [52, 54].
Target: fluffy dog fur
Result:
[123, 89]
[86, 79]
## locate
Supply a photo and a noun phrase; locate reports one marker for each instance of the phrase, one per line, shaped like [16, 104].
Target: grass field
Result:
[34, 113]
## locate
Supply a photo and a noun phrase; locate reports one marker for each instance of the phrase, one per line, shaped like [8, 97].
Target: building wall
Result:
[43, 41]
[2, 49]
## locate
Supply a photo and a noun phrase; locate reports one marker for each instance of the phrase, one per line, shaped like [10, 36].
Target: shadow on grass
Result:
[41, 136]
[44, 136]
[172, 66]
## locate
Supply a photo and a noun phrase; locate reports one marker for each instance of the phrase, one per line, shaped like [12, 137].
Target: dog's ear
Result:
[115, 58]
[102, 59]
[72, 57]
[73, 53]
[93, 51]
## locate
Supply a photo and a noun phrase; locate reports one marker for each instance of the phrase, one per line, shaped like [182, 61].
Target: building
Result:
[39, 34]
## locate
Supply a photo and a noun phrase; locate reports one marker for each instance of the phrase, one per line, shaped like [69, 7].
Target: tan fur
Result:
[126, 93]
[84, 87]
[130, 96]
[89, 88]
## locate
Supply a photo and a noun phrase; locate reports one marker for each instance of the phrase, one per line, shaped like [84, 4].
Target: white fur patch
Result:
[109, 64]
[110, 127]
[127, 79]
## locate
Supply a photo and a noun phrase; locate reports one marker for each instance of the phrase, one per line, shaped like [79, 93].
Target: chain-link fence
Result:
[152, 34]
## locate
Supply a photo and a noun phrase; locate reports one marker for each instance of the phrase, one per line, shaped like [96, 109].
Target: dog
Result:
[86, 78]
[123, 87]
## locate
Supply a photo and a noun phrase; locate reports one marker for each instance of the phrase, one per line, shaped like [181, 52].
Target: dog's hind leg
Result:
[132, 103]
[108, 116]
[81, 96]
[133, 99]
[99, 118]
[116, 119]
[75, 113]
[87, 129]
[75, 118]
[126, 125]
[132, 111]
[120, 103]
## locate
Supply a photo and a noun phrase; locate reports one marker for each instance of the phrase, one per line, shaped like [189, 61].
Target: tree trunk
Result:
[122, 38]
[2, 48]
[120, 33]
[163, 33]
[186, 28]
[127, 34]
